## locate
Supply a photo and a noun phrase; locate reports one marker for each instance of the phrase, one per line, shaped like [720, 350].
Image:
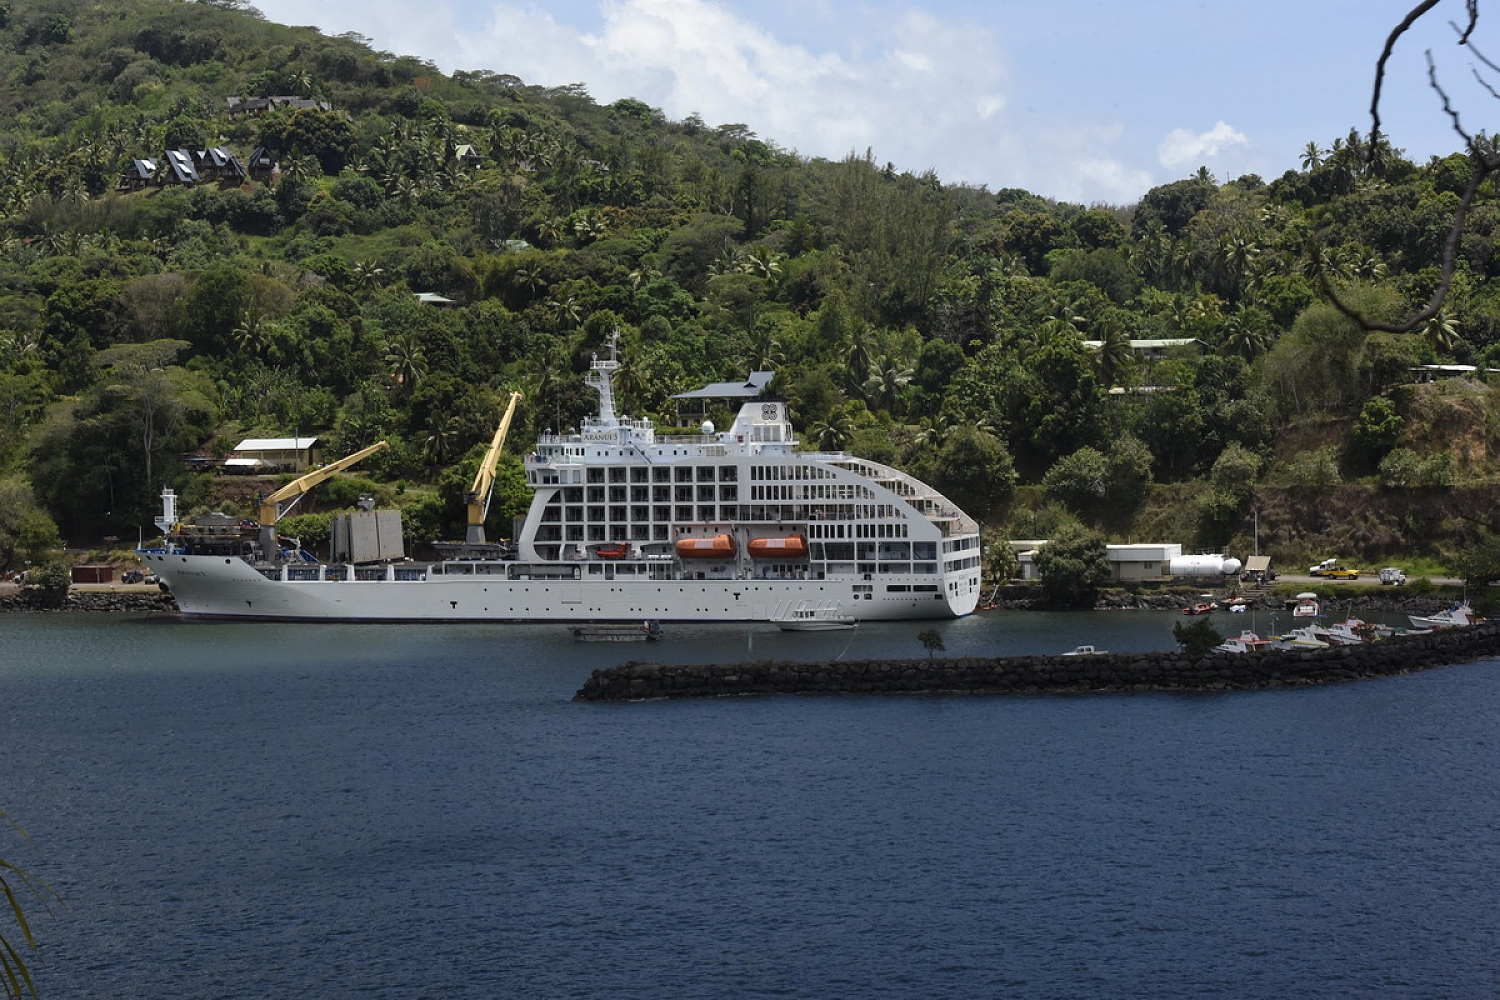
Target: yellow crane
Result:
[271, 509]
[477, 500]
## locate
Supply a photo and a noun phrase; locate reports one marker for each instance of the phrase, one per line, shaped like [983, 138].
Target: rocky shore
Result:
[1105, 672]
[137, 602]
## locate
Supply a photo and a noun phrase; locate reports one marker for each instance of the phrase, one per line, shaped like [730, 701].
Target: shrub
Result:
[51, 581]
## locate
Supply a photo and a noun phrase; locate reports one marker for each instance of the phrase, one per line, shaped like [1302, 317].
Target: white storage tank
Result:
[1204, 565]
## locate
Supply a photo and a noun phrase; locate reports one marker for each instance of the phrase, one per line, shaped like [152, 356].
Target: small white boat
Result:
[1245, 642]
[1353, 632]
[647, 631]
[1458, 616]
[1306, 606]
[1300, 638]
[814, 618]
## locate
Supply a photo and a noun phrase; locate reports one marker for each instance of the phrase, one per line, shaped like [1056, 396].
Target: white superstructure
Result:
[735, 525]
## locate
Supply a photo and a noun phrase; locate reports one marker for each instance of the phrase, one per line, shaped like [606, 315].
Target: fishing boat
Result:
[1306, 638]
[624, 524]
[1459, 615]
[1356, 631]
[1306, 606]
[809, 618]
[647, 631]
[1246, 642]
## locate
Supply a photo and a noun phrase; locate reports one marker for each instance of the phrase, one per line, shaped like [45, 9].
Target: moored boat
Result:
[1306, 606]
[1458, 615]
[814, 618]
[647, 631]
[623, 524]
[1246, 642]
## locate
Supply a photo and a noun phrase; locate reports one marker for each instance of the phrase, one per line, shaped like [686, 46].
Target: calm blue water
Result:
[249, 811]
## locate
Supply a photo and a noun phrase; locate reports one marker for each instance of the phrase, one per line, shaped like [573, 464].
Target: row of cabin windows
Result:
[650, 494]
[790, 473]
[891, 527]
[663, 474]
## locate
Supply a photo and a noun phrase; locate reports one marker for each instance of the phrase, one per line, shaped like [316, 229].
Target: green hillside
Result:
[981, 340]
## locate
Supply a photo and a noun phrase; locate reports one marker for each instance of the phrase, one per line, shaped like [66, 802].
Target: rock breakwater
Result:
[1104, 672]
[32, 601]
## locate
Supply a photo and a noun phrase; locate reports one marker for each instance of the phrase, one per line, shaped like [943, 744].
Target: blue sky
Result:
[1089, 101]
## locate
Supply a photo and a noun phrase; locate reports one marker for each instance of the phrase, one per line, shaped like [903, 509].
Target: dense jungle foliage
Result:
[978, 339]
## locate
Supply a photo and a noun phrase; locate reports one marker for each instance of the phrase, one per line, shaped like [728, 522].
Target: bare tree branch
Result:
[1390, 47]
[1483, 154]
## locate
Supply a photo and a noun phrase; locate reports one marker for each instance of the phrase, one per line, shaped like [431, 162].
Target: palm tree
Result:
[407, 360]
[643, 275]
[884, 389]
[1441, 332]
[1243, 337]
[762, 262]
[567, 312]
[442, 440]
[859, 346]
[1114, 356]
[15, 977]
[763, 352]
[831, 434]
[365, 275]
[1312, 156]
[253, 334]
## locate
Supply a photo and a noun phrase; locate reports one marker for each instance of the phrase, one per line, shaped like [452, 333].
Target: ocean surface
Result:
[308, 811]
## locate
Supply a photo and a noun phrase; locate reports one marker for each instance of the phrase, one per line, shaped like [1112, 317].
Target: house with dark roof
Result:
[138, 175]
[219, 163]
[180, 167]
[262, 165]
[466, 154]
[260, 105]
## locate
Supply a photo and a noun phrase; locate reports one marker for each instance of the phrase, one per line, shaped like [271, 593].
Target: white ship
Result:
[625, 525]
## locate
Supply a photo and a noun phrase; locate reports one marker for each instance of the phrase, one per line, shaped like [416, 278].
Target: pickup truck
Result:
[1341, 573]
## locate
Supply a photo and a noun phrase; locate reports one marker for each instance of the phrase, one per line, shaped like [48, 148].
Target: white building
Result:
[293, 454]
[1156, 562]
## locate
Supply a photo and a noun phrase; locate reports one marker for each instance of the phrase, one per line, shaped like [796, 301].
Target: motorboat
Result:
[1246, 642]
[1201, 607]
[806, 617]
[1457, 616]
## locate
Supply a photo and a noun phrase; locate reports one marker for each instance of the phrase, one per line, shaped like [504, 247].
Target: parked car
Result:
[1342, 573]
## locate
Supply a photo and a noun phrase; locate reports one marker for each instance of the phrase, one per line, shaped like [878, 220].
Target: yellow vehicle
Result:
[1341, 573]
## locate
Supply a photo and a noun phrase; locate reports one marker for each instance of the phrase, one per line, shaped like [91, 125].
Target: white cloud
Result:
[1184, 147]
[918, 91]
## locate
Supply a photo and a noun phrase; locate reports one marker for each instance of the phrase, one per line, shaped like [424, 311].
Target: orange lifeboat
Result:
[788, 547]
[711, 547]
[612, 551]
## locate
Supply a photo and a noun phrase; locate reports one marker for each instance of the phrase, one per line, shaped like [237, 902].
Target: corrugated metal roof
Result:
[276, 444]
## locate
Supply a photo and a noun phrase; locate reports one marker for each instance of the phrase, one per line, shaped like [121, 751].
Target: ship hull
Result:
[224, 587]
